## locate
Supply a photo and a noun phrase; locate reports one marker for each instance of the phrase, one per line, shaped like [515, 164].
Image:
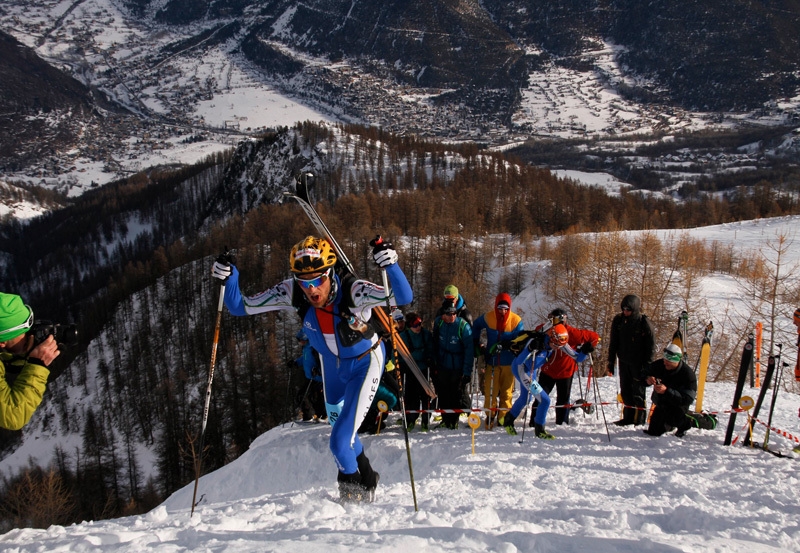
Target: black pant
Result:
[448, 388]
[633, 389]
[667, 416]
[312, 400]
[415, 398]
[563, 388]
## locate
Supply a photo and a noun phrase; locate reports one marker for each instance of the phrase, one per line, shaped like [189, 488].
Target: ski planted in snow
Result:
[755, 376]
[761, 395]
[744, 367]
[702, 371]
[780, 365]
[301, 196]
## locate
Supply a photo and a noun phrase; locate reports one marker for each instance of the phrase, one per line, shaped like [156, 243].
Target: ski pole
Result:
[393, 333]
[597, 397]
[199, 462]
[530, 390]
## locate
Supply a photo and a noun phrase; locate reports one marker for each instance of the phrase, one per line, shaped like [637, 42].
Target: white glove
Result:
[221, 270]
[384, 258]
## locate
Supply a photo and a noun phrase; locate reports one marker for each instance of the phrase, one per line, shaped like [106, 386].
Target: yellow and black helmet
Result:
[312, 254]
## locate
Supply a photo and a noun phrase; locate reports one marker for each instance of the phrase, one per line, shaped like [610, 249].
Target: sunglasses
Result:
[26, 325]
[416, 325]
[313, 282]
[627, 309]
[453, 314]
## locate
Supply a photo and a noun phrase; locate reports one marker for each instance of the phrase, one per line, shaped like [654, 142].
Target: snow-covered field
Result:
[580, 492]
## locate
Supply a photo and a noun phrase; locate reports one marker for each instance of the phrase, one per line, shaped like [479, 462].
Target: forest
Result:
[129, 264]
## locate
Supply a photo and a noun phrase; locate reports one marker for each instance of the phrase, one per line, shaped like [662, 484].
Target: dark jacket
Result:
[452, 346]
[420, 346]
[681, 384]
[632, 339]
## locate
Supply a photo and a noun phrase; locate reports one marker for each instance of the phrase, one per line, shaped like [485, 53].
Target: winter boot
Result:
[543, 434]
[508, 423]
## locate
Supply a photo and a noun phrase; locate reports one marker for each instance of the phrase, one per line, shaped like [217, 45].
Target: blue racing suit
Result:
[526, 367]
[351, 370]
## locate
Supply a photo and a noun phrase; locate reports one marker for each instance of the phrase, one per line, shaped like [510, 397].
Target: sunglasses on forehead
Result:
[26, 325]
[312, 281]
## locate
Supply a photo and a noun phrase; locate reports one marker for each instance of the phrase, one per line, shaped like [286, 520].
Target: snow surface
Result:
[590, 489]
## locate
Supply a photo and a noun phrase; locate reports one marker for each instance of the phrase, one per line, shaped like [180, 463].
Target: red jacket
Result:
[560, 365]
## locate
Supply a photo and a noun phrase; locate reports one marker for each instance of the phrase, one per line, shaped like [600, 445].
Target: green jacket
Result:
[19, 400]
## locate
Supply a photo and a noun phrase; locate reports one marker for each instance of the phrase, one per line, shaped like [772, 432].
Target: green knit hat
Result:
[15, 317]
[450, 291]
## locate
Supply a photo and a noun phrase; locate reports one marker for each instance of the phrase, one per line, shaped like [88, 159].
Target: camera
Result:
[66, 334]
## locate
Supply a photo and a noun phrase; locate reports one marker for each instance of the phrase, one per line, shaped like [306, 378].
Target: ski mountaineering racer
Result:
[336, 315]
[539, 350]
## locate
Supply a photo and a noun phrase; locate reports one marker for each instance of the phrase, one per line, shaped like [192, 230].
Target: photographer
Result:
[20, 352]
[674, 389]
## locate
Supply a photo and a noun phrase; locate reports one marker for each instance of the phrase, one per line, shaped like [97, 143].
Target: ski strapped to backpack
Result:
[345, 268]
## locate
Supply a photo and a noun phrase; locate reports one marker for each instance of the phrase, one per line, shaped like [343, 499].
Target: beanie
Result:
[673, 353]
[450, 291]
[397, 315]
[15, 317]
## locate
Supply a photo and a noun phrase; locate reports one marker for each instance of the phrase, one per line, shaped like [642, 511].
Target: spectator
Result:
[631, 345]
[399, 320]
[502, 325]
[453, 298]
[20, 396]
[674, 389]
[452, 348]
[419, 341]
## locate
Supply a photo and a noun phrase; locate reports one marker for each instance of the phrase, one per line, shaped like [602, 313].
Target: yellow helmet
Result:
[311, 254]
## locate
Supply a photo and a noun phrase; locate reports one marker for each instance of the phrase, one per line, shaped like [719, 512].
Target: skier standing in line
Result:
[561, 367]
[453, 354]
[674, 389]
[336, 315]
[419, 341]
[631, 343]
[453, 298]
[502, 325]
[526, 369]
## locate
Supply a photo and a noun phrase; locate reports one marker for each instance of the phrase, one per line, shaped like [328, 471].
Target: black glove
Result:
[383, 253]
[536, 342]
[586, 348]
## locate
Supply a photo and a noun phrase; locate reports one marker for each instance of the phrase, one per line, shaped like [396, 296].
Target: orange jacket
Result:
[560, 365]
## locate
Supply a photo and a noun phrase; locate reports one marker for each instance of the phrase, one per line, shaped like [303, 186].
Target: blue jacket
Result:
[493, 337]
[452, 343]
